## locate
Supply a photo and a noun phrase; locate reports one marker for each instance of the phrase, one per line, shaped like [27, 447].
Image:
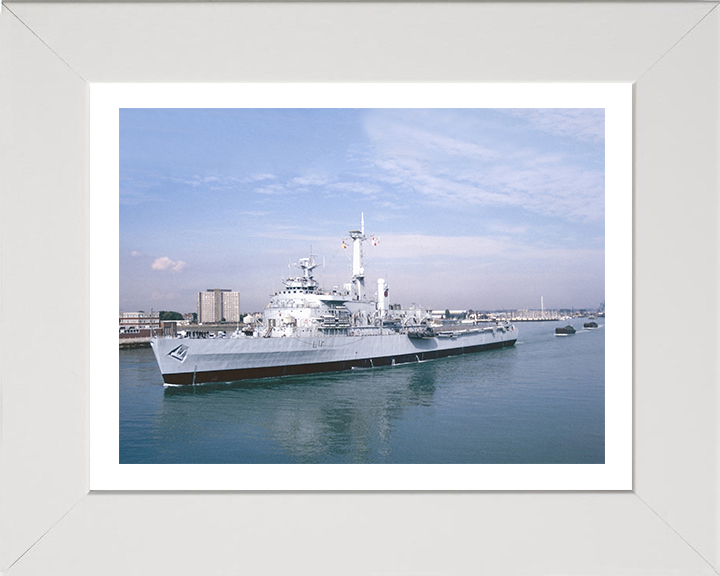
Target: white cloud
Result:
[164, 263]
[273, 190]
[477, 163]
[480, 248]
[221, 182]
[135, 253]
[194, 180]
[254, 213]
[136, 195]
[580, 123]
[312, 180]
[355, 188]
[407, 139]
[405, 246]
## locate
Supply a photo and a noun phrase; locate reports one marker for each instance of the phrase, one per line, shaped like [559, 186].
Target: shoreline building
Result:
[139, 327]
[139, 320]
[217, 305]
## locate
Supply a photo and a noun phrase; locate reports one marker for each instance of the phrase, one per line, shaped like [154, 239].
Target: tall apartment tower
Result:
[216, 304]
[231, 306]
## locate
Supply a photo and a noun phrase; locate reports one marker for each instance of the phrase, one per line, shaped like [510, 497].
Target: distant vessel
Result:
[566, 330]
[590, 325]
[305, 330]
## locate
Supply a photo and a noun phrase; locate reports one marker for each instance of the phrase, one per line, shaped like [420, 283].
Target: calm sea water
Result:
[541, 401]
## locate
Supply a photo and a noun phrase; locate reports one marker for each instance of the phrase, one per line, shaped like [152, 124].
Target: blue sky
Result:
[472, 208]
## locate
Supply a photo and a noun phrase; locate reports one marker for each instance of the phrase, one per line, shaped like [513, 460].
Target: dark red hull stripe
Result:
[186, 378]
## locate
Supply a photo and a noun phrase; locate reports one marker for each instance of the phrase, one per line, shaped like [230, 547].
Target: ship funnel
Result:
[382, 297]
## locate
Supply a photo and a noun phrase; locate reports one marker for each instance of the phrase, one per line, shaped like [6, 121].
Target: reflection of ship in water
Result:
[312, 418]
[306, 330]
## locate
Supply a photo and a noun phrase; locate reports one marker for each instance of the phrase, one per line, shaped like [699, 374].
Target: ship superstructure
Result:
[306, 330]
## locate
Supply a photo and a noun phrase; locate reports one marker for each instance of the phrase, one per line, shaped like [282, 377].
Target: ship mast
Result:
[307, 265]
[358, 277]
[306, 282]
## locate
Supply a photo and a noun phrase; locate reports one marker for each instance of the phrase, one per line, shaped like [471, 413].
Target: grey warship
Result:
[306, 330]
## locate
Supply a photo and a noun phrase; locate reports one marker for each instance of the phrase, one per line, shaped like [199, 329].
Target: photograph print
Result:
[362, 286]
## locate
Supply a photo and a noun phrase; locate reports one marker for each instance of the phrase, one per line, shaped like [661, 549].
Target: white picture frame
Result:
[667, 524]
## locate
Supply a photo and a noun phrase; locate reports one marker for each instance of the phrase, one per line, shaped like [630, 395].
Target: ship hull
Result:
[186, 362]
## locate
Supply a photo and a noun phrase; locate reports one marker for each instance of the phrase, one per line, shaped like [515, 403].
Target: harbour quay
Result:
[136, 329]
[519, 315]
[547, 315]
